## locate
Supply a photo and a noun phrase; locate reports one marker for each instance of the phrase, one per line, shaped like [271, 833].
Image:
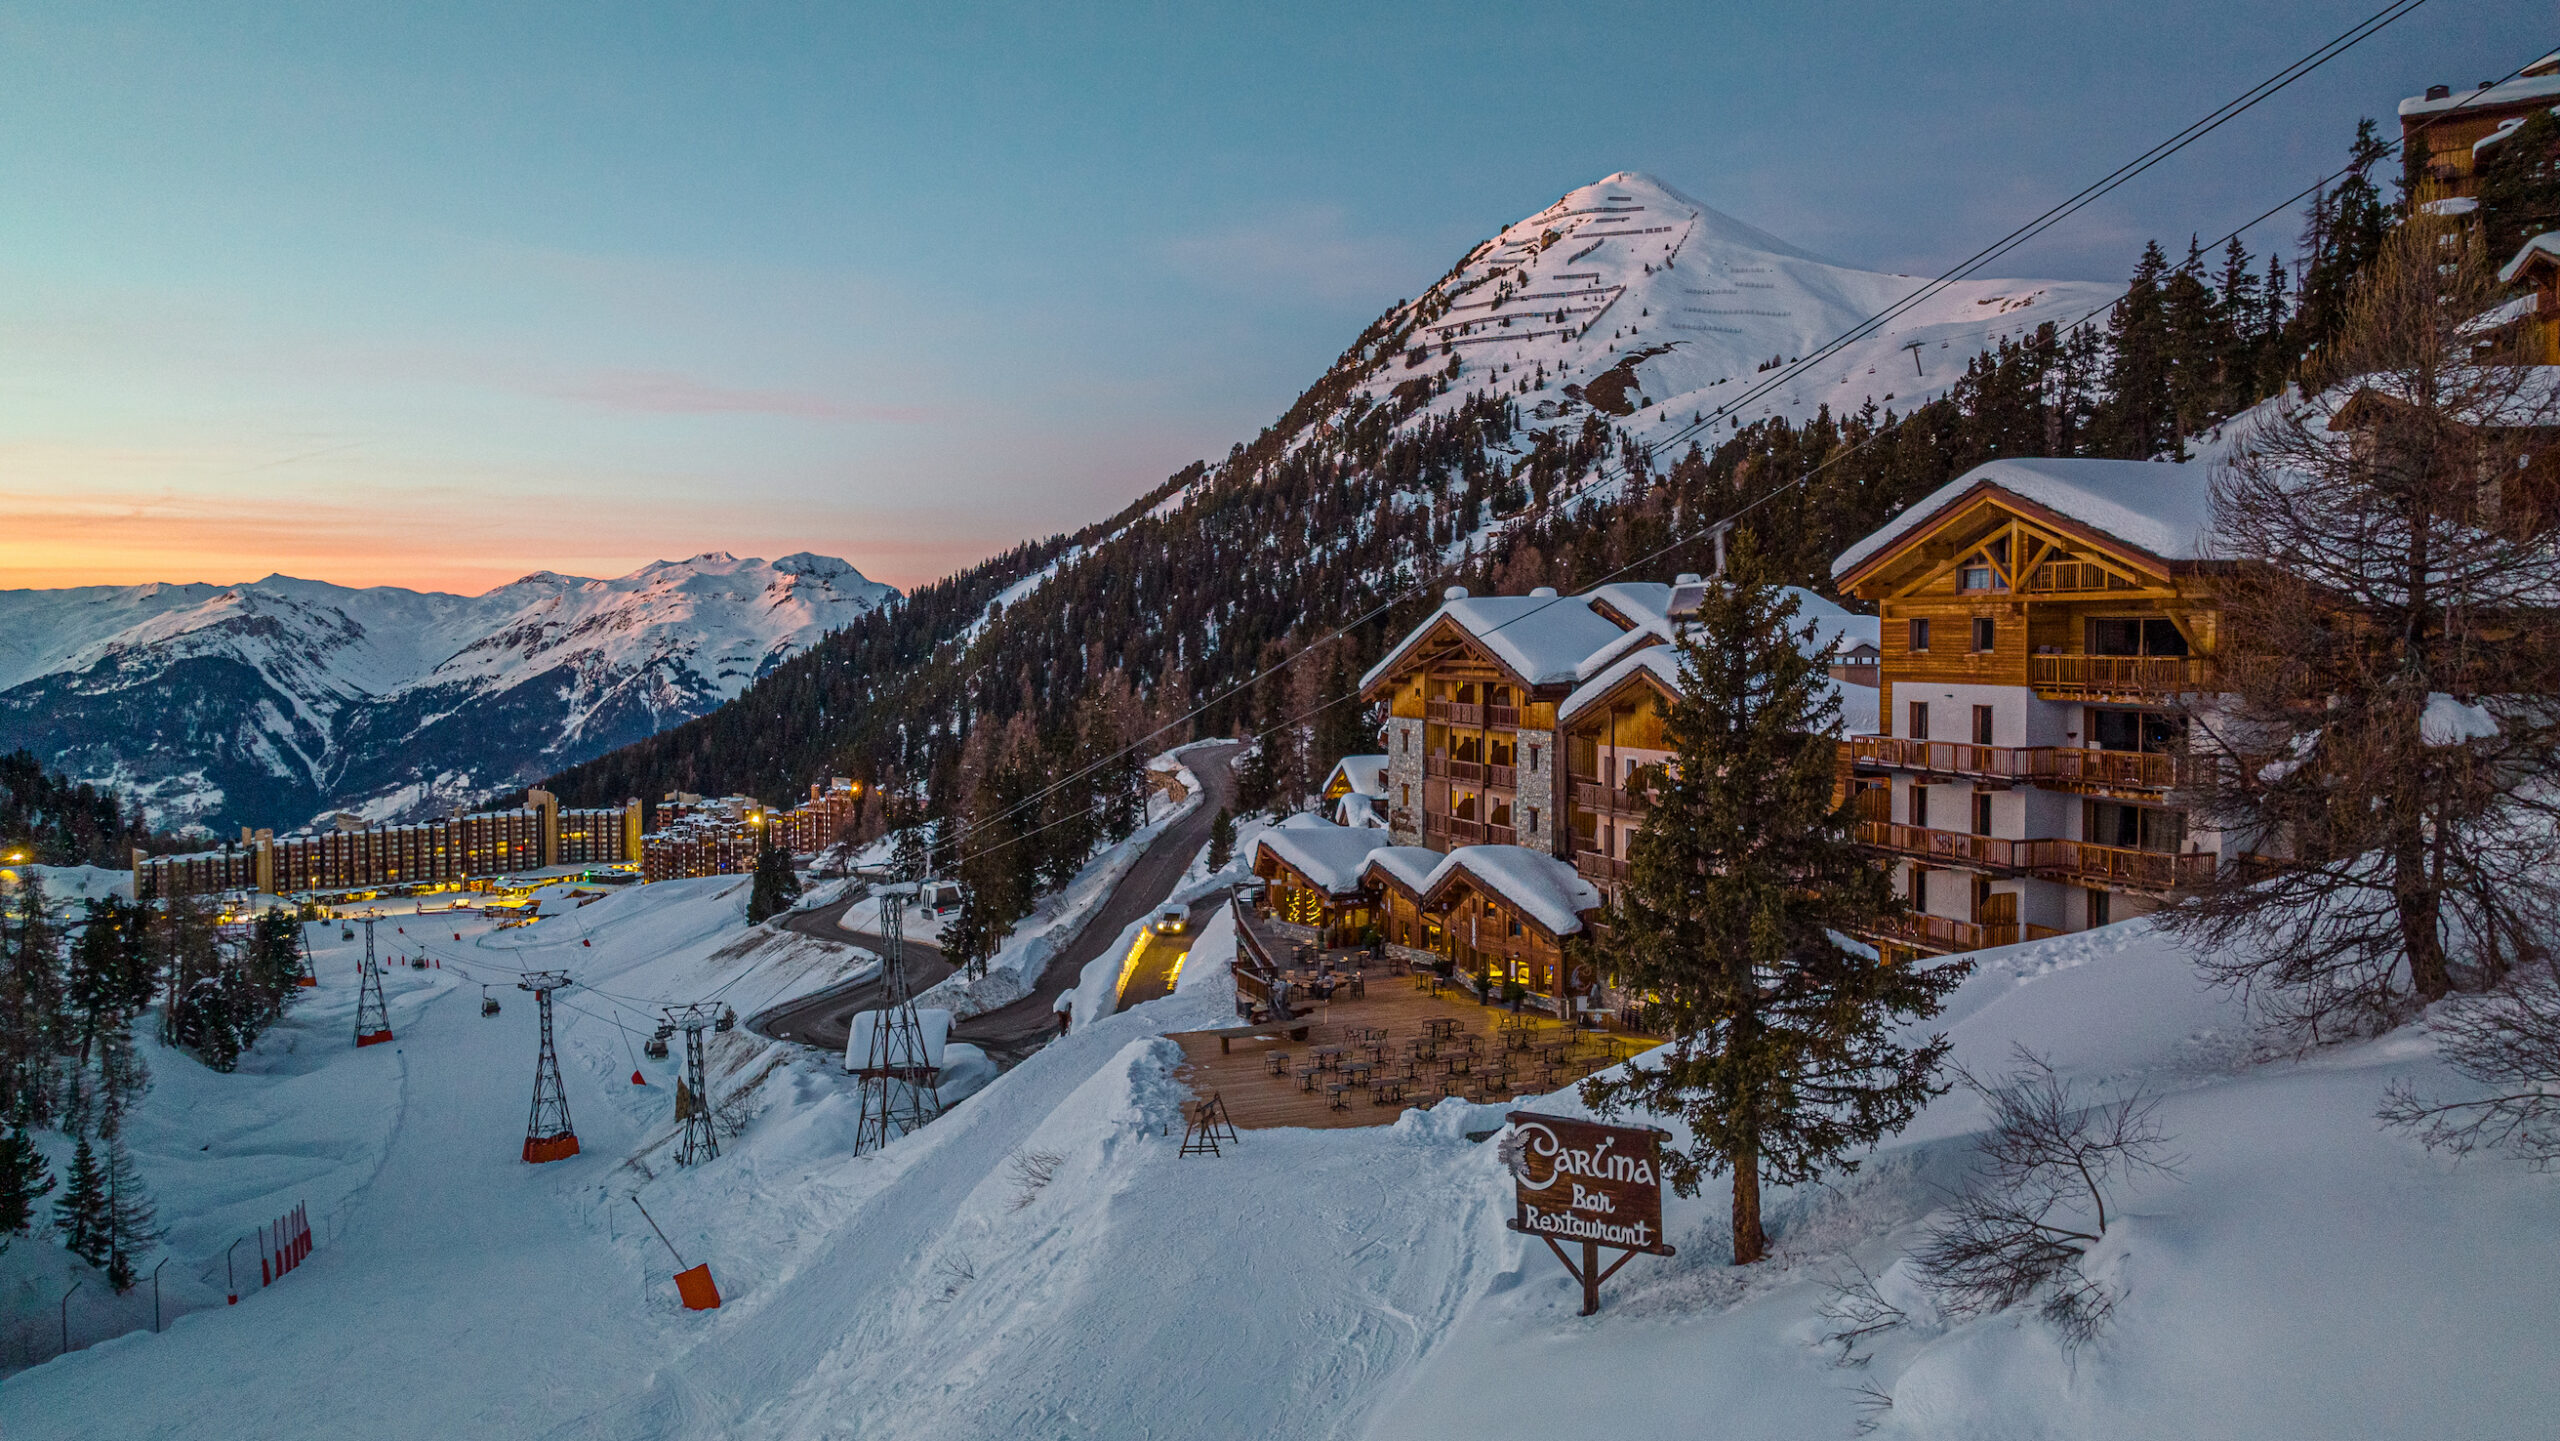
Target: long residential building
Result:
[353, 854]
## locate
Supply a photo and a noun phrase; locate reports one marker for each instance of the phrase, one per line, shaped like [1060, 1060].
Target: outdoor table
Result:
[1389, 1091]
[1339, 1104]
[1441, 1026]
[1356, 1070]
[1328, 1057]
[1279, 1063]
[1307, 1076]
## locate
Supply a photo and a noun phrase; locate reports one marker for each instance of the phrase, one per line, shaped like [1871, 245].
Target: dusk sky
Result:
[439, 295]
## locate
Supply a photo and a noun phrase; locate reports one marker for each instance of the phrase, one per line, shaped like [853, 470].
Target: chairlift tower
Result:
[547, 1133]
[373, 1016]
[894, 1064]
[700, 1140]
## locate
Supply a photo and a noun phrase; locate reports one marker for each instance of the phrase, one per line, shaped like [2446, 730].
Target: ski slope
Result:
[2307, 1274]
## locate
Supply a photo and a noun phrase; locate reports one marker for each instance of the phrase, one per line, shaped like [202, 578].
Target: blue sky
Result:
[437, 296]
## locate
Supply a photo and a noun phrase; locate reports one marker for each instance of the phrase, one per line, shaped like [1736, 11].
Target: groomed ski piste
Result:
[2306, 1274]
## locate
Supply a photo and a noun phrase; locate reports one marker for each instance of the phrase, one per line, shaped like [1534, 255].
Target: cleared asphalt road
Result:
[1011, 1032]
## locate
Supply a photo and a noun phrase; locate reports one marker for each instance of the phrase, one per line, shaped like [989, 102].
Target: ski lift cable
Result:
[1697, 532]
[2062, 210]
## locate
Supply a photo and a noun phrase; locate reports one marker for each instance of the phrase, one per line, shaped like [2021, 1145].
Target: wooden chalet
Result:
[1494, 914]
[2040, 620]
[2454, 130]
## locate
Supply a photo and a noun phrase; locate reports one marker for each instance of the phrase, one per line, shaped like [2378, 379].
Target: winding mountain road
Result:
[1011, 1032]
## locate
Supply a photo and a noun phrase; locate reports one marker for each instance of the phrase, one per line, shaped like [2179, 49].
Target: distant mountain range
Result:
[269, 703]
[1481, 430]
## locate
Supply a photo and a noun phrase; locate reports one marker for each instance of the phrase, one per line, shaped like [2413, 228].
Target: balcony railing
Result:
[1507, 777]
[1946, 934]
[2114, 675]
[1595, 866]
[1953, 848]
[1469, 713]
[1497, 835]
[1453, 769]
[1599, 795]
[2053, 765]
[1457, 829]
[2085, 863]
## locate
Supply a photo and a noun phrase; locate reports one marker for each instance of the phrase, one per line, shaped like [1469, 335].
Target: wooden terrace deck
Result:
[1257, 1099]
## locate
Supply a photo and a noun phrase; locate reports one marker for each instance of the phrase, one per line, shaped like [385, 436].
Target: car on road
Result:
[1172, 922]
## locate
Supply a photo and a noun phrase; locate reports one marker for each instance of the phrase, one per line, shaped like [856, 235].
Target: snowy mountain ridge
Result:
[1695, 304]
[267, 702]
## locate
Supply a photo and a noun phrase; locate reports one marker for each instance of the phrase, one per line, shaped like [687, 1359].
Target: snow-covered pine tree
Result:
[775, 886]
[80, 1212]
[24, 1177]
[128, 1233]
[1744, 879]
[1222, 839]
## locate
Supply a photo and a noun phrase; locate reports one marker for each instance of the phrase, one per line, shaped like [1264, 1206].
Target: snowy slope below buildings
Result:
[267, 703]
[1339, 1283]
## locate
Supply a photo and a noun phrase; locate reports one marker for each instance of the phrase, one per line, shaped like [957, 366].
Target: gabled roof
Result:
[1539, 639]
[1329, 855]
[1661, 665]
[2544, 248]
[1365, 775]
[2522, 88]
[2162, 509]
[1544, 890]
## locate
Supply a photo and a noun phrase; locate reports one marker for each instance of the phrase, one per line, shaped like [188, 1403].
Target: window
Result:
[1919, 720]
[1919, 633]
[1405, 796]
[1920, 806]
[2133, 730]
[2101, 908]
[1982, 813]
[1533, 757]
[1533, 818]
[2134, 635]
[1920, 888]
[1986, 633]
[1408, 740]
[1982, 725]
[1974, 577]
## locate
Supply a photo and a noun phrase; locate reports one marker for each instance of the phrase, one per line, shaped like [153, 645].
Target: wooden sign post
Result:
[1583, 1181]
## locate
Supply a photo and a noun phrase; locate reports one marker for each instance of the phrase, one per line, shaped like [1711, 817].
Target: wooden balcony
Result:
[1457, 830]
[2036, 765]
[1451, 768]
[2083, 677]
[1597, 867]
[2117, 867]
[1472, 715]
[1506, 777]
[1947, 848]
[1945, 935]
[1598, 795]
[1497, 835]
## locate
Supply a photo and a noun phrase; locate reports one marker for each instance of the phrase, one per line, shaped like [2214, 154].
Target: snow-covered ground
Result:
[2307, 1273]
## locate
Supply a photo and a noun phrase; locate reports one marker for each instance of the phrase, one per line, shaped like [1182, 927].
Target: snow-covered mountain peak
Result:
[1629, 298]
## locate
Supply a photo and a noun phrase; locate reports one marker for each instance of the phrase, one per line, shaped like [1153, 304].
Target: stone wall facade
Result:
[1404, 780]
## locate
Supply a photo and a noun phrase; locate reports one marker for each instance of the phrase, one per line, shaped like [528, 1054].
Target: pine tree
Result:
[80, 1212]
[1222, 840]
[127, 1231]
[2138, 418]
[776, 885]
[32, 1021]
[2520, 186]
[1745, 875]
[24, 1177]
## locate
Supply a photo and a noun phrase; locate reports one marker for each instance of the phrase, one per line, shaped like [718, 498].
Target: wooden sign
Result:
[1577, 1180]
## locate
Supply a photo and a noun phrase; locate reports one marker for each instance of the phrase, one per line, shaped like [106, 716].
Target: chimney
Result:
[2439, 92]
[1455, 592]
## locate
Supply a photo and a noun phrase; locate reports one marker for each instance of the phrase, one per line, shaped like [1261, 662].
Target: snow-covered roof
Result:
[2547, 243]
[1359, 812]
[2160, 507]
[1542, 888]
[1327, 854]
[2523, 87]
[1540, 638]
[934, 1024]
[1410, 867]
[1858, 703]
[2499, 317]
[1365, 775]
